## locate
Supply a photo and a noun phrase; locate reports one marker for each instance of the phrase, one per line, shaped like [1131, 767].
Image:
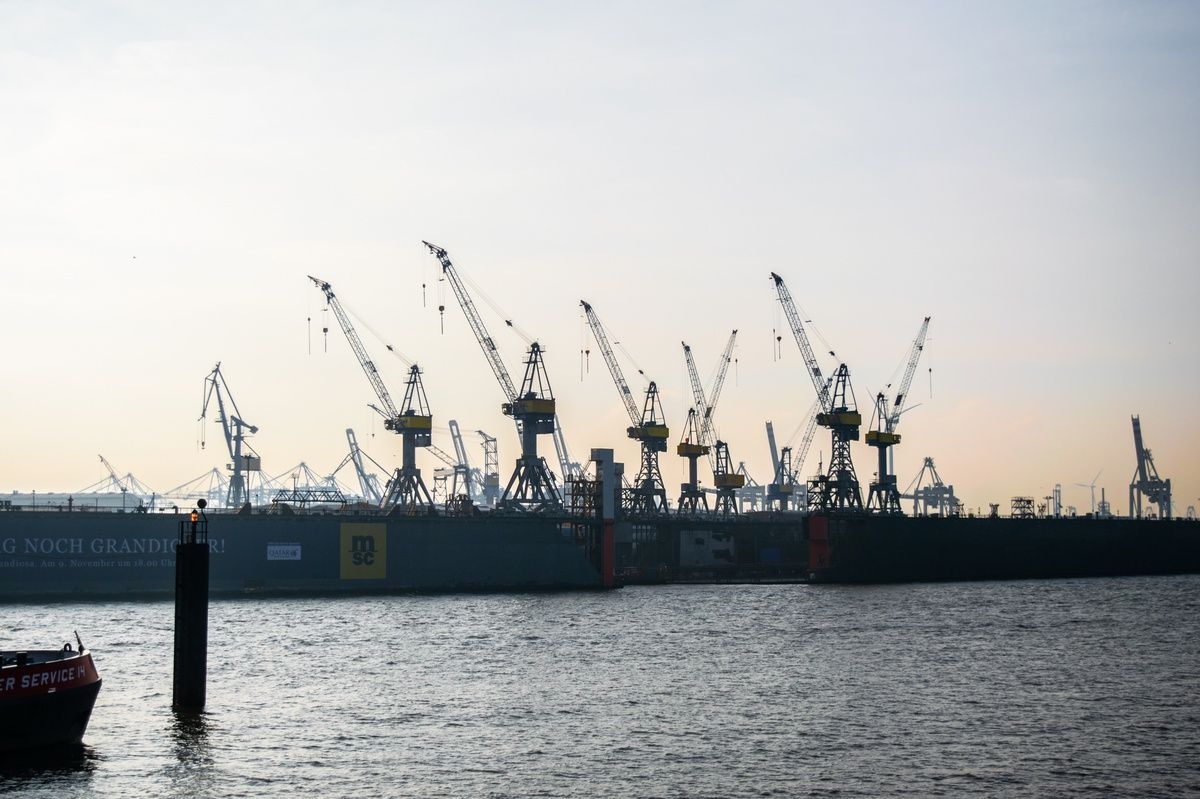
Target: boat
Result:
[46, 696]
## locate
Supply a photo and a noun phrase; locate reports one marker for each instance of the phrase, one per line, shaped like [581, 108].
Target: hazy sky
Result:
[1028, 174]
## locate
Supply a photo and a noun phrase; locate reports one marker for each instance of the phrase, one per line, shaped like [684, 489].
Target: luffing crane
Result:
[531, 487]
[648, 428]
[1146, 482]
[726, 481]
[235, 430]
[690, 447]
[406, 491]
[699, 434]
[838, 489]
[706, 407]
[884, 497]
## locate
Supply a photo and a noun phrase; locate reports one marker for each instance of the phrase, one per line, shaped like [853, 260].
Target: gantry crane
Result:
[235, 430]
[1146, 482]
[838, 489]
[531, 487]
[406, 491]
[690, 447]
[884, 497]
[648, 428]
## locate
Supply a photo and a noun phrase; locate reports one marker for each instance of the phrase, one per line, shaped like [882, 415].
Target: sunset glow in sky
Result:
[1027, 174]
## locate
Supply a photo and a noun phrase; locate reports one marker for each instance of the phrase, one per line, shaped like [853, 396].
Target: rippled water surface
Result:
[1055, 688]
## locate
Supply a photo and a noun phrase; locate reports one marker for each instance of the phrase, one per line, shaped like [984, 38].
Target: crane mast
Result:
[690, 447]
[406, 491]
[726, 481]
[648, 427]
[838, 489]
[532, 407]
[884, 496]
[235, 430]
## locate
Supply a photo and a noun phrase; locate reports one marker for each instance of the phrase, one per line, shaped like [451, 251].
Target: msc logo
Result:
[364, 551]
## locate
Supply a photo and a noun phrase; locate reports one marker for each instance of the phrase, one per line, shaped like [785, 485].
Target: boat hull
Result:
[45, 704]
[51, 554]
[863, 548]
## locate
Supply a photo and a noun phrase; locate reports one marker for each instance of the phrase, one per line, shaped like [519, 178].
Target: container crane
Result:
[235, 430]
[648, 428]
[884, 497]
[1146, 483]
[838, 489]
[406, 491]
[531, 487]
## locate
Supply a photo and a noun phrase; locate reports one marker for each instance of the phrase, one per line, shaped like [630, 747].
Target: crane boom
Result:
[486, 343]
[614, 368]
[806, 350]
[914, 355]
[719, 383]
[389, 411]
[706, 406]
[698, 398]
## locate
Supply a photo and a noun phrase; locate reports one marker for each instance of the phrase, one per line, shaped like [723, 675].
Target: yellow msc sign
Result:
[364, 551]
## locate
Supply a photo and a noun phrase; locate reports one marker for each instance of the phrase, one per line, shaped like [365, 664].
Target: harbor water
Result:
[1031, 688]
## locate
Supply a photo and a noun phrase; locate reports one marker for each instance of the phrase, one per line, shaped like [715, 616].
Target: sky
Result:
[1027, 174]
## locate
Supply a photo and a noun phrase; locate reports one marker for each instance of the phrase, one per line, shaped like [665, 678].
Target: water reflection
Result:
[68, 766]
[190, 737]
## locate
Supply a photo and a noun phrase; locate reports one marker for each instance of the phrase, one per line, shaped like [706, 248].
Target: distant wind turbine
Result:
[1092, 486]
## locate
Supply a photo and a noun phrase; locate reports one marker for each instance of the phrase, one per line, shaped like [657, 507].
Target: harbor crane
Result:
[648, 428]
[531, 487]
[406, 491]
[726, 481]
[932, 498]
[783, 481]
[367, 481]
[491, 469]
[698, 436]
[884, 497]
[691, 447]
[1146, 483]
[706, 406]
[838, 489]
[235, 430]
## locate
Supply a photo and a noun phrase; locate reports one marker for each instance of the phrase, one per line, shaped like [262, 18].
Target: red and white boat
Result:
[46, 696]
